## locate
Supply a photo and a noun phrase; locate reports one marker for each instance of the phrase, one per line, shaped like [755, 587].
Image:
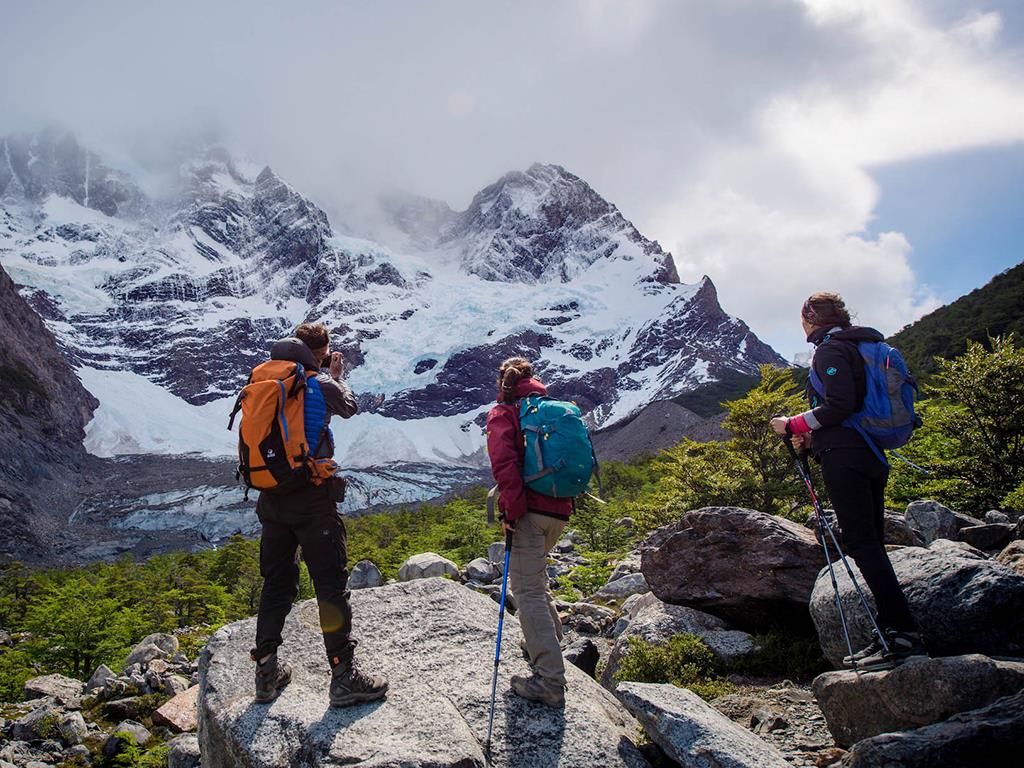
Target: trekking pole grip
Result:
[508, 541]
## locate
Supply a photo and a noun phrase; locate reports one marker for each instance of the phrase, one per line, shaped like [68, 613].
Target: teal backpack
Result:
[559, 459]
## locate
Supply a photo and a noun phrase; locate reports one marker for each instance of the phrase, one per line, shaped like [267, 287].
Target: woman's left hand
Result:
[779, 424]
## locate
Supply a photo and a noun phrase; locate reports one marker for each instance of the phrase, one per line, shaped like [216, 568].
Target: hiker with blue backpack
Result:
[861, 399]
[541, 457]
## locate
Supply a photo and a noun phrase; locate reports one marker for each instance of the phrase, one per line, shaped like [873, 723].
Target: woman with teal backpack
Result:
[536, 522]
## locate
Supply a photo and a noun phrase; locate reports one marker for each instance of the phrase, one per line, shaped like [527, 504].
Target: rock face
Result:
[963, 604]
[920, 692]
[655, 622]
[693, 733]
[988, 737]
[427, 565]
[935, 521]
[434, 640]
[43, 412]
[753, 569]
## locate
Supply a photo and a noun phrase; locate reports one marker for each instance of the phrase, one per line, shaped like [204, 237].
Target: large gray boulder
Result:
[963, 604]
[752, 569]
[989, 737]
[183, 752]
[987, 537]
[920, 692]
[434, 640]
[692, 732]
[656, 622]
[935, 521]
[427, 565]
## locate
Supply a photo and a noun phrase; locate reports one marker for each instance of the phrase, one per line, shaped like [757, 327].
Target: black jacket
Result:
[838, 364]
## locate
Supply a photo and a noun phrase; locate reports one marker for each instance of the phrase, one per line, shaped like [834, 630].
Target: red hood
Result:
[529, 387]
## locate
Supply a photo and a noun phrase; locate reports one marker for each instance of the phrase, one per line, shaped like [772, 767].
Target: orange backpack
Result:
[274, 452]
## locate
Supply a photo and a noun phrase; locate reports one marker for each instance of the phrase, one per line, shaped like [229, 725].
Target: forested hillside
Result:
[995, 309]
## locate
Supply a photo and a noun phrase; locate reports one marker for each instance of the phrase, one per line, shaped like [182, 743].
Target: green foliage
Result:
[133, 755]
[972, 441]
[584, 580]
[685, 661]
[993, 310]
[752, 469]
[15, 668]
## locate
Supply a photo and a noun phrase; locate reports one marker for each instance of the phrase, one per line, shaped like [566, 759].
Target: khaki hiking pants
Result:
[534, 537]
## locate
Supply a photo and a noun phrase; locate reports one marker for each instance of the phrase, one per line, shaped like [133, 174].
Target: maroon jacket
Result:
[505, 448]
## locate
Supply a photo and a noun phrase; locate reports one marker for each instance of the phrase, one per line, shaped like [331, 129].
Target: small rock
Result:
[175, 684]
[365, 575]
[828, 756]
[72, 728]
[496, 554]
[620, 626]
[65, 690]
[767, 720]
[427, 565]
[995, 516]
[165, 642]
[183, 752]
[141, 655]
[115, 743]
[620, 589]
[180, 713]
[598, 613]
[5, 638]
[130, 708]
[100, 677]
[587, 626]
[935, 521]
[626, 522]
[564, 546]
[1013, 556]
[584, 654]
[693, 733]
[482, 570]
[990, 536]
[79, 752]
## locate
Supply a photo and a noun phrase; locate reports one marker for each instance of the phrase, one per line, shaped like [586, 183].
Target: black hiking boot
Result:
[537, 688]
[271, 678]
[902, 646]
[350, 686]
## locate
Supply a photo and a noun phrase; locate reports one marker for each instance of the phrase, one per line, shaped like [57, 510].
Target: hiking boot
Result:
[873, 648]
[537, 688]
[271, 678]
[350, 686]
[902, 645]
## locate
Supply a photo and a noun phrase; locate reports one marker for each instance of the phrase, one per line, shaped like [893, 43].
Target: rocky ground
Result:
[963, 707]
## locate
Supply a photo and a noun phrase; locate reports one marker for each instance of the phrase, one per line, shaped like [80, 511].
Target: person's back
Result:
[308, 517]
[536, 522]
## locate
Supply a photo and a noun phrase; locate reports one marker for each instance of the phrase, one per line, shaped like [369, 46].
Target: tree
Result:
[972, 441]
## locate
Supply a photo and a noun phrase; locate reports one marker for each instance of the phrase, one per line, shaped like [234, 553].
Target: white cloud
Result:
[740, 133]
[777, 218]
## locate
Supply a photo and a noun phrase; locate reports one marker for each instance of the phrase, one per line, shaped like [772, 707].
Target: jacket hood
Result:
[529, 387]
[294, 350]
[856, 333]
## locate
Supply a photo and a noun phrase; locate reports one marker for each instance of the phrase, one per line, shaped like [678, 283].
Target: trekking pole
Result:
[826, 533]
[497, 644]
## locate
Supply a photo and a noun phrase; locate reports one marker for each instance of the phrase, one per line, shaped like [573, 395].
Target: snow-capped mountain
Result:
[164, 302]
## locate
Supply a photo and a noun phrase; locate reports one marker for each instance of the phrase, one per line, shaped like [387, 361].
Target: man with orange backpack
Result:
[285, 451]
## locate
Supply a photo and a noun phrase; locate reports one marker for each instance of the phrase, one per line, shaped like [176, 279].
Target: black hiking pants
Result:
[855, 480]
[306, 518]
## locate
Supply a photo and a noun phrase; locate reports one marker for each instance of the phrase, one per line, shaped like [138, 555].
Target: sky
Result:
[873, 147]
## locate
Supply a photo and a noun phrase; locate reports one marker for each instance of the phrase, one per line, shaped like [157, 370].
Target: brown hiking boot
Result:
[537, 688]
[350, 686]
[271, 678]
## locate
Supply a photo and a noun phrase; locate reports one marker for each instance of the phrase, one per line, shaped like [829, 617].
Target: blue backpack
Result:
[886, 420]
[559, 459]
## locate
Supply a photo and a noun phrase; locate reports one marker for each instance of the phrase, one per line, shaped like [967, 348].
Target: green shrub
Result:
[685, 661]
